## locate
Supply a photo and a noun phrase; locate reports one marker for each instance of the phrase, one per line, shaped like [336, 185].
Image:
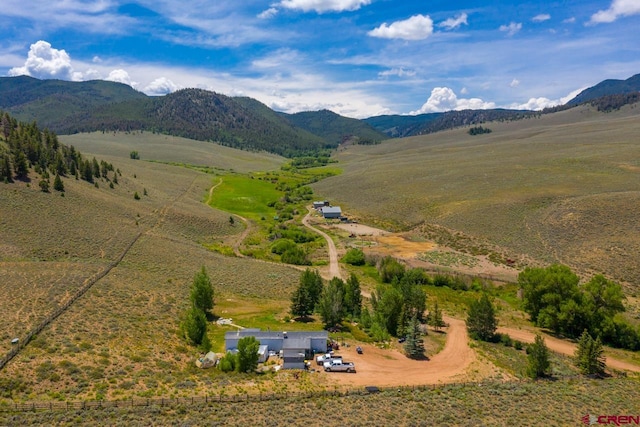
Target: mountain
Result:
[403, 126]
[335, 128]
[50, 101]
[608, 88]
[73, 107]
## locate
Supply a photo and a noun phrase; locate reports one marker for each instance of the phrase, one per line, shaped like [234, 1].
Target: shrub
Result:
[296, 256]
[354, 256]
[280, 246]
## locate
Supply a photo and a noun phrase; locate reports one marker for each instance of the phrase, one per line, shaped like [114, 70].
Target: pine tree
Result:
[57, 184]
[353, 296]
[435, 317]
[589, 356]
[202, 291]
[538, 359]
[6, 173]
[301, 304]
[194, 325]
[331, 305]
[481, 321]
[414, 344]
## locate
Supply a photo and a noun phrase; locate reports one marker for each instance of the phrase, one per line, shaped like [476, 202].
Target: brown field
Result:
[560, 188]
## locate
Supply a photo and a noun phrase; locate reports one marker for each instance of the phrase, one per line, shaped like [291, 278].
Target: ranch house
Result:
[294, 347]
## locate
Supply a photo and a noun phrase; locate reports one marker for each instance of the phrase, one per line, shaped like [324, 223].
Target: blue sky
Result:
[359, 58]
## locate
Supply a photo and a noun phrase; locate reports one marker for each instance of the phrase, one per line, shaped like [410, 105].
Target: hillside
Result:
[334, 128]
[73, 107]
[397, 126]
[608, 88]
[559, 188]
[51, 101]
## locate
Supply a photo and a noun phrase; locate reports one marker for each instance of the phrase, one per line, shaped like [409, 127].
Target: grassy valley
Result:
[560, 188]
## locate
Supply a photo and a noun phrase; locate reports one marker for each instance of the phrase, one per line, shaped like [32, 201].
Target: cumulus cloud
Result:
[160, 86]
[514, 83]
[512, 28]
[46, 62]
[617, 9]
[418, 27]
[321, 6]
[400, 72]
[445, 99]
[537, 104]
[120, 76]
[453, 23]
[541, 18]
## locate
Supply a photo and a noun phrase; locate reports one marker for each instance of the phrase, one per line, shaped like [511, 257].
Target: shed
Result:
[331, 212]
[318, 205]
[263, 353]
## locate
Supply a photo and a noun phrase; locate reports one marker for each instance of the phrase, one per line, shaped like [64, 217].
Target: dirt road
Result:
[334, 266]
[384, 368]
[564, 347]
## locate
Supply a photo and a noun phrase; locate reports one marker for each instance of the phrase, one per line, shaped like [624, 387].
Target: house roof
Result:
[295, 337]
[331, 209]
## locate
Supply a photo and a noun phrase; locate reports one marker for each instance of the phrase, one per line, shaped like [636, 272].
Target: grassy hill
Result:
[563, 187]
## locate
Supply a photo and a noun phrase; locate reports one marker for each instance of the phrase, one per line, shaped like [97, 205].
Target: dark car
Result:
[359, 350]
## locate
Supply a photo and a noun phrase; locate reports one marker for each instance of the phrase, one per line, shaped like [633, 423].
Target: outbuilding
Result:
[331, 212]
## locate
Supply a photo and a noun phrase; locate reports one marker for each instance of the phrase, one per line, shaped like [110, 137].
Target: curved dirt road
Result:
[334, 266]
[384, 368]
[564, 347]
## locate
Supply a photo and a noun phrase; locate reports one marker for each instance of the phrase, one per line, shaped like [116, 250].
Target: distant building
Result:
[318, 205]
[295, 346]
[331, 212]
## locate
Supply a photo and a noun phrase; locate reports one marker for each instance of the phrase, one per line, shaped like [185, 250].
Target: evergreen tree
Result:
[435, 317]
[44, 185]
[414, 344]
[313, 282]
[248, 354]
[481, 320]
[57, 184]
[202, 291]
[331, 303]
[6, 173]
[301, 303]
[353, 296]
[538, 359]
[20, 165]
[589, 355]
[194, 326]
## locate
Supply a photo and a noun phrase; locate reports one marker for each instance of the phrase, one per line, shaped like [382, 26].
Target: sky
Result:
[358, 58]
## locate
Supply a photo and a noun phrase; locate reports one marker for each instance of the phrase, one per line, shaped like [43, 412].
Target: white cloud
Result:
[321, 6]
[514, 83]
[120, 76]
[160, 86]
[617, 9]
[46, 62]
[453, 23]
[400, 72]
[269, 13]
[418, 27]
[569, 20]
[464, 91]
[445, 99]
[541, 103]
[512, 28]
[541, 18]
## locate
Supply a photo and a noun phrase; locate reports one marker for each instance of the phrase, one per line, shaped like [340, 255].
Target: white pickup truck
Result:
[326, 358]
[337, 365]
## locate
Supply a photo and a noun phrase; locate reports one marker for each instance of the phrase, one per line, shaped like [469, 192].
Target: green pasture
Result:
[245, 196]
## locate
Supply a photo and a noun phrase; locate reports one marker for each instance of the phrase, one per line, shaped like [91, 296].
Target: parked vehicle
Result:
[326, 358]
[359, 350]
[337, 365]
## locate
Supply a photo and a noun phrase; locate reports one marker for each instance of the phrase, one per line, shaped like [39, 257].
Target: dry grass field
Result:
[559, 188]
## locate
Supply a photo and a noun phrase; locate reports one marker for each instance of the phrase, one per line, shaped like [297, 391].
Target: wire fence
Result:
[22, 343]
[218, 399]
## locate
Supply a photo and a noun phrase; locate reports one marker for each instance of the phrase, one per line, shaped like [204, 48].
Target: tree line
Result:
[29, 147]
